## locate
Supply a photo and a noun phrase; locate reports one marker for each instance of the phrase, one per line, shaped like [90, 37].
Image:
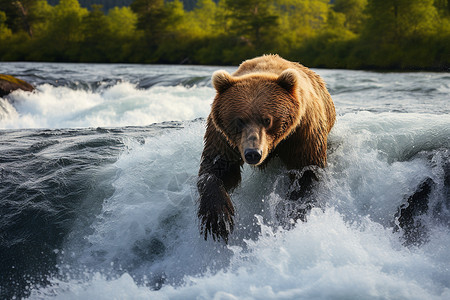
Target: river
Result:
[98, 191]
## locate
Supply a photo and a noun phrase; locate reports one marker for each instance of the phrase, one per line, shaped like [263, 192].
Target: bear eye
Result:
[240, 124]
[266, 122]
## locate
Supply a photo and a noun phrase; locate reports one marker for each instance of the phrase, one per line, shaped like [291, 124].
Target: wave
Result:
[84, 95]
[144, 241]
[122, 104]
[111, 213]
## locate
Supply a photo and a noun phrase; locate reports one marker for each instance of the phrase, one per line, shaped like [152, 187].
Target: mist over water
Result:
[114, 206]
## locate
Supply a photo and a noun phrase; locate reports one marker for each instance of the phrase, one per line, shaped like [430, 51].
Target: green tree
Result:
[353, 11]
[208, 30]
[149, 12]
[391, 21]
[339, 34]
[122, 21]
[40, 13]
[25, 14]
[201, 21]
[63, 38]
[443, 7]
[5, 32]
[301, 19]
[175, 38]
[153, 19]
[15, 16]
[253, 20]
[158, 21]
[96, 35]
[22, 7]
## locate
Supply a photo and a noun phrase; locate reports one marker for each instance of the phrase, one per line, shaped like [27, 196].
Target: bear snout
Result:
[252, 156]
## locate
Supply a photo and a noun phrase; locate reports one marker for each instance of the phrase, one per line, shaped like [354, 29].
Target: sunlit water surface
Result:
[98, 191]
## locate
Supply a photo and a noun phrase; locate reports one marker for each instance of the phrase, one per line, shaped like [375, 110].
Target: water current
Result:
[98, 191]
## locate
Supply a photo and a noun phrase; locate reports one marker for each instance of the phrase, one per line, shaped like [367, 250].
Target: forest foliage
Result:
[355, 34]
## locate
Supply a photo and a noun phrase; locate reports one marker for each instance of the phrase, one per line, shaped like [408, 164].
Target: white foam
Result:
[120, 105]
[7, 110]
[147, 232]
[325, 258]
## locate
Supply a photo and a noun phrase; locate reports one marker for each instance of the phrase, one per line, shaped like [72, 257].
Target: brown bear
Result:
[269, 107]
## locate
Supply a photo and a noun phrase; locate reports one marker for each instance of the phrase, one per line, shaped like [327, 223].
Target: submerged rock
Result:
[10, 83]
[409, 214]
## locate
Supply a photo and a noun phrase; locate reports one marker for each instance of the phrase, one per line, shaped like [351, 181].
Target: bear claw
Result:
[217, 224]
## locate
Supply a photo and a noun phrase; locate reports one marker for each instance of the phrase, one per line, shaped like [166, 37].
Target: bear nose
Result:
[252, 156]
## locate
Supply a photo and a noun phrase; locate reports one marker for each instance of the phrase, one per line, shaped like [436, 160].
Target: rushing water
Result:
[98, 197]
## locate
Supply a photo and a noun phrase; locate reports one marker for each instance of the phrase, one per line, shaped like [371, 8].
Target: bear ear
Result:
[222, 80]
[288, 80]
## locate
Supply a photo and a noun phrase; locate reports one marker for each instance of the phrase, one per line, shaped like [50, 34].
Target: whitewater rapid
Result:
[132, 231]
[123, 104]
[83, 95]
[145, 242]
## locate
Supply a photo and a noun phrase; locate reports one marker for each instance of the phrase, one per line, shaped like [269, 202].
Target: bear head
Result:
[256, 111]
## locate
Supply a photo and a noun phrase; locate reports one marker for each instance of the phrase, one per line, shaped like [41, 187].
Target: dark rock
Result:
[10, 83]
[409, 214]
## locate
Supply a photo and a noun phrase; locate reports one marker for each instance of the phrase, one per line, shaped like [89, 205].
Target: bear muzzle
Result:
[253, 144]
[252, 156]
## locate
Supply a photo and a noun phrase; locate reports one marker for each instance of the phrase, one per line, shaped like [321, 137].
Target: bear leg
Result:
[301, 184]
[215, 211]
[299, 199]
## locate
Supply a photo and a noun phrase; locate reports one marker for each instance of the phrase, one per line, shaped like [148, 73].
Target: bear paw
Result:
[216, 214]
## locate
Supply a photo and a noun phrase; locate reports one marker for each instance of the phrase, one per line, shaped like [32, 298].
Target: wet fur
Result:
[301, 115]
